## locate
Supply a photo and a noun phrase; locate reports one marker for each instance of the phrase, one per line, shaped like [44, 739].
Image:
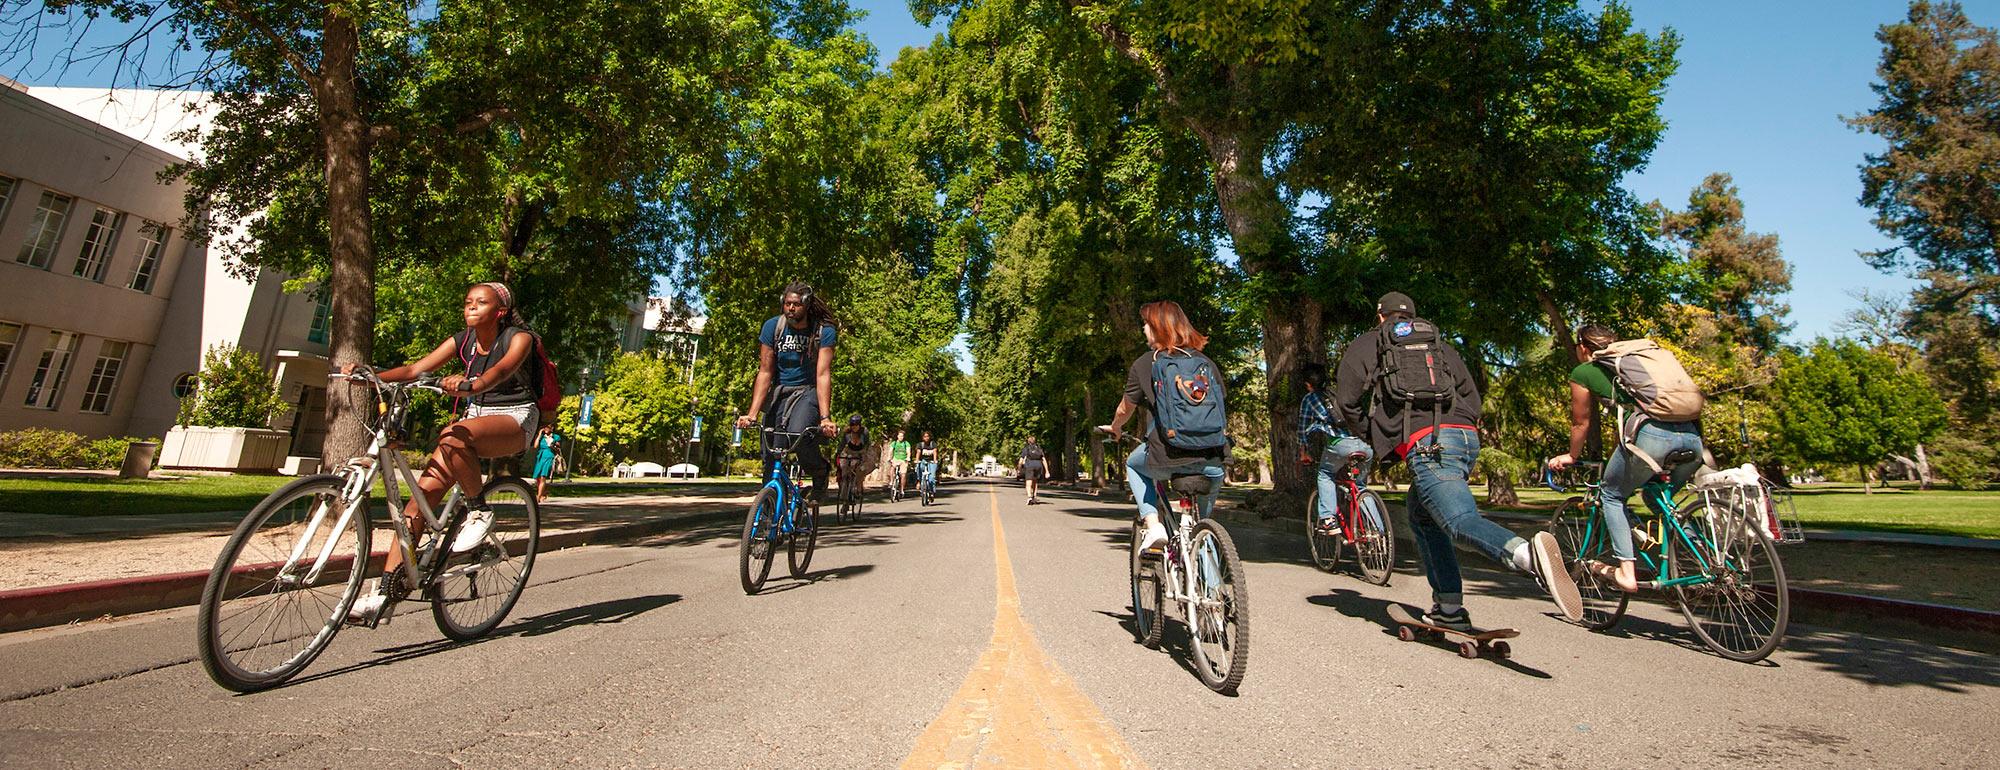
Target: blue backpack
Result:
[1188, 402]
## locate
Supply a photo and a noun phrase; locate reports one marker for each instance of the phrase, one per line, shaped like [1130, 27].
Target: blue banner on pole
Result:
[583, 410]
[697, 429]
[737, 439]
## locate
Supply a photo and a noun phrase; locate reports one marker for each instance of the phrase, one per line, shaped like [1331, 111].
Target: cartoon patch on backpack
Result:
[1403, 329]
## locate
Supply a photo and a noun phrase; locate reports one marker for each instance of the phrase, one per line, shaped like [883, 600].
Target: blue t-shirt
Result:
[790, 347]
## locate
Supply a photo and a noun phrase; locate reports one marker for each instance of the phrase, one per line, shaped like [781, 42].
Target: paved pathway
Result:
[984, 633]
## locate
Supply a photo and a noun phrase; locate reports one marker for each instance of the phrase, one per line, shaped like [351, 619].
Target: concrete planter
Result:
[194, 447]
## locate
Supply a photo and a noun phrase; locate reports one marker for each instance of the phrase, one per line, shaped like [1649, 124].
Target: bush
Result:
[1964, 462]
[45, 448]
[744, 466]
[236, 390]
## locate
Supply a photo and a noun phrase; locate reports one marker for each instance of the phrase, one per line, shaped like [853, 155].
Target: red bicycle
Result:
[1360, 524]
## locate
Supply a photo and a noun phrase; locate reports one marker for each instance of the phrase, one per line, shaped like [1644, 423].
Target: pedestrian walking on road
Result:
[1425, 410]
[1032, 468]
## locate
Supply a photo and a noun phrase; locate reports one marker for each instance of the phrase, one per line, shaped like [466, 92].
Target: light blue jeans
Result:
[1625, 474]
[1331, 463]
[1442, 508]
[1139, 478]
[927, 474]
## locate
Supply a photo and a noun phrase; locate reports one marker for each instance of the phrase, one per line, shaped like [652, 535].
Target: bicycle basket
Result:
[1783, 515]
[1755, 504]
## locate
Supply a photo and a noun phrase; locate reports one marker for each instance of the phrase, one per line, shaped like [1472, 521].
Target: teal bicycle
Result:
[1713, 561]
[779, 517]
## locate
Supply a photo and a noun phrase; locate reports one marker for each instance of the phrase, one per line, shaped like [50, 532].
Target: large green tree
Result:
[1843, 403]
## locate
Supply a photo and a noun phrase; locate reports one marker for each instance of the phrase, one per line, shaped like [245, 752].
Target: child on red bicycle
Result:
[1341, 453]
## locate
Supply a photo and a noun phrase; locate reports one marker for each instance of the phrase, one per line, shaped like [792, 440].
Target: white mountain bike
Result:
[282, 586]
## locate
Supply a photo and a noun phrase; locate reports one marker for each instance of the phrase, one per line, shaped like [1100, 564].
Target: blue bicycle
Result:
[927, 483]
[779, 517]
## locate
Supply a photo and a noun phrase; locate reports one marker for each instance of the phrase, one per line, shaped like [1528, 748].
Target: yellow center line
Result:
[1017, 708]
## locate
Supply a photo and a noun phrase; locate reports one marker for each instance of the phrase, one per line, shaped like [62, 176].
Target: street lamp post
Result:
[569, 468]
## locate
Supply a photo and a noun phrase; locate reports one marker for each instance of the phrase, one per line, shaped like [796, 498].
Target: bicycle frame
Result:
[1658, 496]
[788, 495]
[1178, 555]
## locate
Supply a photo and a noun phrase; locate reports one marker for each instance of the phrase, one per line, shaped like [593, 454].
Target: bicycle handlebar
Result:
[1549, 475]
[424, 381]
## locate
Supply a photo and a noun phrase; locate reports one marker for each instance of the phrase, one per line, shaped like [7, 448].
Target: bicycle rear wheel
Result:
[1374, 539]
[262, 622]
[1603, 604]
[478, 588]
[799, 555]
[1325, 548]
[1148, 623]
[1742, 612]
[1219, 612]
[754, 553]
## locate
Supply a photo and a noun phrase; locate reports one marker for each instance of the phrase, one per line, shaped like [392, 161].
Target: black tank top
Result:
[510, 393]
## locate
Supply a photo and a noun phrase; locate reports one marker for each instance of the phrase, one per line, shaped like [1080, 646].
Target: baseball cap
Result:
[1395, 302]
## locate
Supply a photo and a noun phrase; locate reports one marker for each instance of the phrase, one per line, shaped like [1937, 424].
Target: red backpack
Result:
[539, 371]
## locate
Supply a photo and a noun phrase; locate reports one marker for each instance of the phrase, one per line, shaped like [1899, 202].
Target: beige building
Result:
[104, 304]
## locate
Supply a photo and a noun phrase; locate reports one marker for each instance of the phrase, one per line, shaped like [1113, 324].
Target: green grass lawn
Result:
[109, 496]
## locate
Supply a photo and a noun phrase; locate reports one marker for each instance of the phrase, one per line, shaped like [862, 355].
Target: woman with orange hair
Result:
[1182, 391]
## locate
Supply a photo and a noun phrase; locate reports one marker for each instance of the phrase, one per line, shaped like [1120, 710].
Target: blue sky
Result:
[1760, 91]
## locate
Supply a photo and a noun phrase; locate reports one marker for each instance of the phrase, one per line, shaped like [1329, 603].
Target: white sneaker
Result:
[365, 609]
[473, 531]
[1155, 538]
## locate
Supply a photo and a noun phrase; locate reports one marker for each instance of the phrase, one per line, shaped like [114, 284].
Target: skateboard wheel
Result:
[1502, 650]
[1406, 634]
[1468, 650]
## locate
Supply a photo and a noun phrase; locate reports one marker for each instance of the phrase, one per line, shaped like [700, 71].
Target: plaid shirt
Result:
[1314, 417]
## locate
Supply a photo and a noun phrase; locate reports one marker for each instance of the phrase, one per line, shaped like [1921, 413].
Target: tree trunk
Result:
[351, 280]
[1500, 490]
[1864, 479]
[1923, 469]
[1061, 470]
[1293, 322]
[1096, 443]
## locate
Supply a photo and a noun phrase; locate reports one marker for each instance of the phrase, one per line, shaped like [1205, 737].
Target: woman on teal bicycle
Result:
[1591, 383]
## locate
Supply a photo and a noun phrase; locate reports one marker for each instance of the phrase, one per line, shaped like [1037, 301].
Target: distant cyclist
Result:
[852, 453]
[1591, 383]
[927, 463]
[1171, 339]
[795, 348]
[1318, 427]
[1406, 388]
[899, 462]
[499, 421]
[1033, 466]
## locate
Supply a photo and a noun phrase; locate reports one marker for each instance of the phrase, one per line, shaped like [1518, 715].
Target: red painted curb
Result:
[25, 608]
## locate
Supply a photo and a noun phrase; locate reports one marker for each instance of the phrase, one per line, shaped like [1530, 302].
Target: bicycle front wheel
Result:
[1581, 535]
[1148, 593]
[1219, 611]
[478, 588]
[1743, 607]
[1374, 539]
[805, 537]
[1325, 548]
[264, 613]
[754, 552]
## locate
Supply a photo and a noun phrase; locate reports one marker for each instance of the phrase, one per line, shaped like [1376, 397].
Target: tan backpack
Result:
[1655, 380]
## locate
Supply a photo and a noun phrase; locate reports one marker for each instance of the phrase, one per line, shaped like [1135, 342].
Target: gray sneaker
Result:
[1546, 561]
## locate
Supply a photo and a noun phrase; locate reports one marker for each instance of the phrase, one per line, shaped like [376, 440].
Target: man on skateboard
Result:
[1424, 410]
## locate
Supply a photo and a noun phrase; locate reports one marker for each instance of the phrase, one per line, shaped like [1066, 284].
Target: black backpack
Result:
[1033, 452]
[1410, 369]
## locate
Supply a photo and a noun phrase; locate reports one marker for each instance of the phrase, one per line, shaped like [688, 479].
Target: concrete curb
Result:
[1965, 626]
[40, 607]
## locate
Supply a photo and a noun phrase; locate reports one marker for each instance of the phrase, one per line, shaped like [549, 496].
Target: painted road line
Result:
[1017, 708]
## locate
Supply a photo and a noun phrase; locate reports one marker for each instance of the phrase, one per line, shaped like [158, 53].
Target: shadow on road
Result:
[811, 578]
[1894, 662]
[1173, 642]
[1373, 610]
[600, 613]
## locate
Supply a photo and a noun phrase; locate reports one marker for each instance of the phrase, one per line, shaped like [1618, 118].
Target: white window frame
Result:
[45, 230]
[8, 185]
[103, 383]
[10, 341]
[60, 343]
[98, 241]
[153, 238]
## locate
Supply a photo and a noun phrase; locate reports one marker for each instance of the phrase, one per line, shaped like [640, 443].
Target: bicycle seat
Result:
[1680, 456]
[1357, 457]
[1192, 485]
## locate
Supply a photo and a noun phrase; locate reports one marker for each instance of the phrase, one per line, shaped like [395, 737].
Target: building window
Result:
[7, 185]
[53, 371]
[10, 338]
[97, 243]
[322, 318]
[152, 241]
[45, 229]
[104, 376]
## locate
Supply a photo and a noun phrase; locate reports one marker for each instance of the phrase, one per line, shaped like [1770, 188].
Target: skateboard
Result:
[1472, 643]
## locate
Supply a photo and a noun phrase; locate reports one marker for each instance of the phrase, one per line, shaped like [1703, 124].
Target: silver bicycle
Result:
[282, 586]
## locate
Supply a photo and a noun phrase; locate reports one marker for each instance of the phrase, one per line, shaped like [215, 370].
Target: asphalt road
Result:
[981, 632]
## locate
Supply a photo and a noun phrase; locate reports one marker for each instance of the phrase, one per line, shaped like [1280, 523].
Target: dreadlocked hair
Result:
[817, 313]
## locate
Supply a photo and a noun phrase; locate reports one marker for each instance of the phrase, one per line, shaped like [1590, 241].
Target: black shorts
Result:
[1034, 472]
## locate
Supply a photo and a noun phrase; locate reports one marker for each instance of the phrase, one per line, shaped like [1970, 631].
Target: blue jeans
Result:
[1442, 508]
[1624, 475]
[1334, 461]
[927, 474]
[1148, 493]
